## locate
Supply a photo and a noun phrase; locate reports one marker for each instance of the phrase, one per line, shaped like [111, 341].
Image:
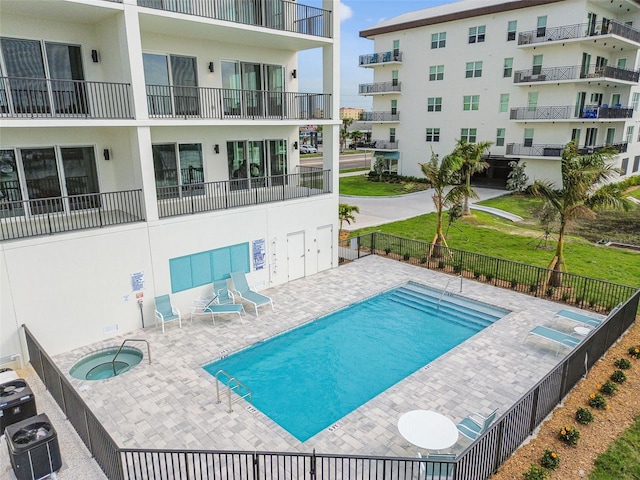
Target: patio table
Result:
[427, 429]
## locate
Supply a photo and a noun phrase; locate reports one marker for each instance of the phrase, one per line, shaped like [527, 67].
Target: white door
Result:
[325, 247]
[295, 255]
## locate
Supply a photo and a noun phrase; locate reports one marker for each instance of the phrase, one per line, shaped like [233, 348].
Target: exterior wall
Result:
[418, 56]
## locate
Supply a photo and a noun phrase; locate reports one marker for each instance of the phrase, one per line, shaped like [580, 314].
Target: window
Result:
[636, 164]
[474, 69]
[394, 107]
[615, 99]
[635, 99]
[624, 166]
[253, 163]
[434, 104]
[394, 78]
[575, 135]
[611, 135]
[468, 134]
[508, 67]
[512, 26]
[500, 133]
[590, 137]
[629, 135]
[433, 134]
[504, 102]
[178, 167]
[596, 98]
[532, 101]
[392, 135]
[470, 102]
[621, 63]
[438, 40]
[161, 73]
[436, 72]
[537, 65]
[528, 137]
[541, 31]
[255, 77]
[476, 34]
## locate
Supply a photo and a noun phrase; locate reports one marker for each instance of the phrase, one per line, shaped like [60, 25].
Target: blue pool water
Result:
[308, 378]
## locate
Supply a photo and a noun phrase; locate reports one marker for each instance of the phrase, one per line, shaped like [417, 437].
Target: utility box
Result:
[17, 402]
[33, 448]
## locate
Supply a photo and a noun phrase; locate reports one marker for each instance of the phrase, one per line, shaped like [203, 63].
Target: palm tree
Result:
[346, 123]
[472, 162]
[345, 213]
[578, 196]
[356, 136]
[441, 176]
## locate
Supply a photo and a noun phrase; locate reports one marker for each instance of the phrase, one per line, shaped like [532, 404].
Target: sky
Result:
[356, 15]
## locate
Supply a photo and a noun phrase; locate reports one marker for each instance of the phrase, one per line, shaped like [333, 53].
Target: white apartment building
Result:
[528, 76]
[148, 147]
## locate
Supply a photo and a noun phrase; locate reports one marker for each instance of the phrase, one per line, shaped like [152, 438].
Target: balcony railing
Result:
[581, 30]
[556, 150]
[211, 196]
[47, 216]
[568, 112]
[46, 98]
[379, 117]
[380, 87]
[394, 56]
[574, 72]
[383, 145]
[287, 16]
[222, 103]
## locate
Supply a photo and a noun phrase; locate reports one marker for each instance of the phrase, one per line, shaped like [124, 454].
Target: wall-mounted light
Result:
[295, 145]
[94, 56]
[211, 67]
[107, 154]
[216, 148]
[294, 73]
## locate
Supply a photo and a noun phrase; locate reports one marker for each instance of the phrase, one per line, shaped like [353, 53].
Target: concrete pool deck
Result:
[172, 402]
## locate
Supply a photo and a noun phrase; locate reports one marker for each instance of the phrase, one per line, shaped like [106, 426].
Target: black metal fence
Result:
[380, 87]
[46, 216]
[46, 98]
[580, 30]
[288, 16]
[477, 462]
[210, 196]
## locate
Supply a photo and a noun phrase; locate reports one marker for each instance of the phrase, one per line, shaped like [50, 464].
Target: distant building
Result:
[527, 76]
[348, 112]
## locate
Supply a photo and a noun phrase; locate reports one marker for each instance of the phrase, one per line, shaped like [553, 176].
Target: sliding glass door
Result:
[172, 85]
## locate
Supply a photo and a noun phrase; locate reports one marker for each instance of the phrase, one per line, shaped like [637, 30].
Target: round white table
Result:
[427, 429]
[582, 330]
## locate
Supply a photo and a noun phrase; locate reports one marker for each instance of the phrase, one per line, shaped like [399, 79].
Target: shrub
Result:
[566, 296]
[423, 260]
[535, 473]
[441, 264]
[550, 460]
[634, 351]
[533, 287]
[584, 416]
[597, 401]
[622, 364]
[608, 388]
[489, 277]
[476, 274]
[618, 376]
[457, 268]
[513, 283]
[550, 291]
[387, 251]
[406, 257]
[569, 435]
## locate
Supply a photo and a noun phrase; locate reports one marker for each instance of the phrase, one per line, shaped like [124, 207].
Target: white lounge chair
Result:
[242, 289]
[210, 306]
[579, 318]
[474, 425]
[561, 339]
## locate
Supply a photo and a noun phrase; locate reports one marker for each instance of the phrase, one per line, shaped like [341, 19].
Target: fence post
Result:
[373, 242]
[312, 467]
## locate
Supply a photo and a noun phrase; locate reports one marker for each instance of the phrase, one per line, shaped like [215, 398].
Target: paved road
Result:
[354, 160]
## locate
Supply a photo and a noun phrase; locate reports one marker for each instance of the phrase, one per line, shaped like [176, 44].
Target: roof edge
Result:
[474, 12]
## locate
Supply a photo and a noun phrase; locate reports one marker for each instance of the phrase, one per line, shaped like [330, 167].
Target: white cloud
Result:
[346, 12]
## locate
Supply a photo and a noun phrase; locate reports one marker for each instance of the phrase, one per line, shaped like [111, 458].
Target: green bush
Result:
[387, 251]
[533, 287]
[441, 264]
[476, 274]
[535, 473]
[634, 351]
[569, 435]
[584, 416]
[608, 388]
[423, 260]
[550, 460]
[550, 291]
[513, 283]
[597, 401]
[622, 364]
[618, 376]
[406, 257]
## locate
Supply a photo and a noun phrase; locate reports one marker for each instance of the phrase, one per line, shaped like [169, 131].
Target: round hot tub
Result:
[100, 364]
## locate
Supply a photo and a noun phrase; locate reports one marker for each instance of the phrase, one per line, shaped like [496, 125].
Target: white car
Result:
[308, 149]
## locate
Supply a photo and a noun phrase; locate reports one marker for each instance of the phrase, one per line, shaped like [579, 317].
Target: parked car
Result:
[355, 146]
[308, 149]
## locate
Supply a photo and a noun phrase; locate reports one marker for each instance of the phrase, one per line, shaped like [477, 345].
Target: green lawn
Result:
[635, 193]
[360, 186]
[622, 460]
[349, 170]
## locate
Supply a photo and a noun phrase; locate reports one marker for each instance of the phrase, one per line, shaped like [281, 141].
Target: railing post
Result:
[312, 467]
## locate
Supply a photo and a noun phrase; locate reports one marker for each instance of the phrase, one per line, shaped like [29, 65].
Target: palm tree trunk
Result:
[466, 210]
[558, 264]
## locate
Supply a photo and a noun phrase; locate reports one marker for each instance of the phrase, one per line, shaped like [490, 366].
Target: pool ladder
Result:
[113, 361]
[233, 384]
[445, 291]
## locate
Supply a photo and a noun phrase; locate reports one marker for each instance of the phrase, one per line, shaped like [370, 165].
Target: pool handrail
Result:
[113, 361]
[237, 387]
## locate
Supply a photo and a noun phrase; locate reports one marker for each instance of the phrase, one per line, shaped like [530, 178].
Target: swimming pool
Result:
[308, 378]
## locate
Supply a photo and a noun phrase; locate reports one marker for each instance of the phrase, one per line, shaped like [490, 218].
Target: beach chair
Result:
[579, 318]
[474, 425]
[437, 470]
[221, 289]
[242, 289]
[210, 306]
[559, 338]
[165, 312]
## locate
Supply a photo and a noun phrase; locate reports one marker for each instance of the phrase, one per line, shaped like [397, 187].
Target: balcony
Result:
[575, 72]
[45, 98]
[379, 117]
[48, 216]
[555, 151]
[373, 59]
[568, 112]
[288, 16]
[383, 145]
[380, 87]
[605, 29]
[211, 196]
[220, 103]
